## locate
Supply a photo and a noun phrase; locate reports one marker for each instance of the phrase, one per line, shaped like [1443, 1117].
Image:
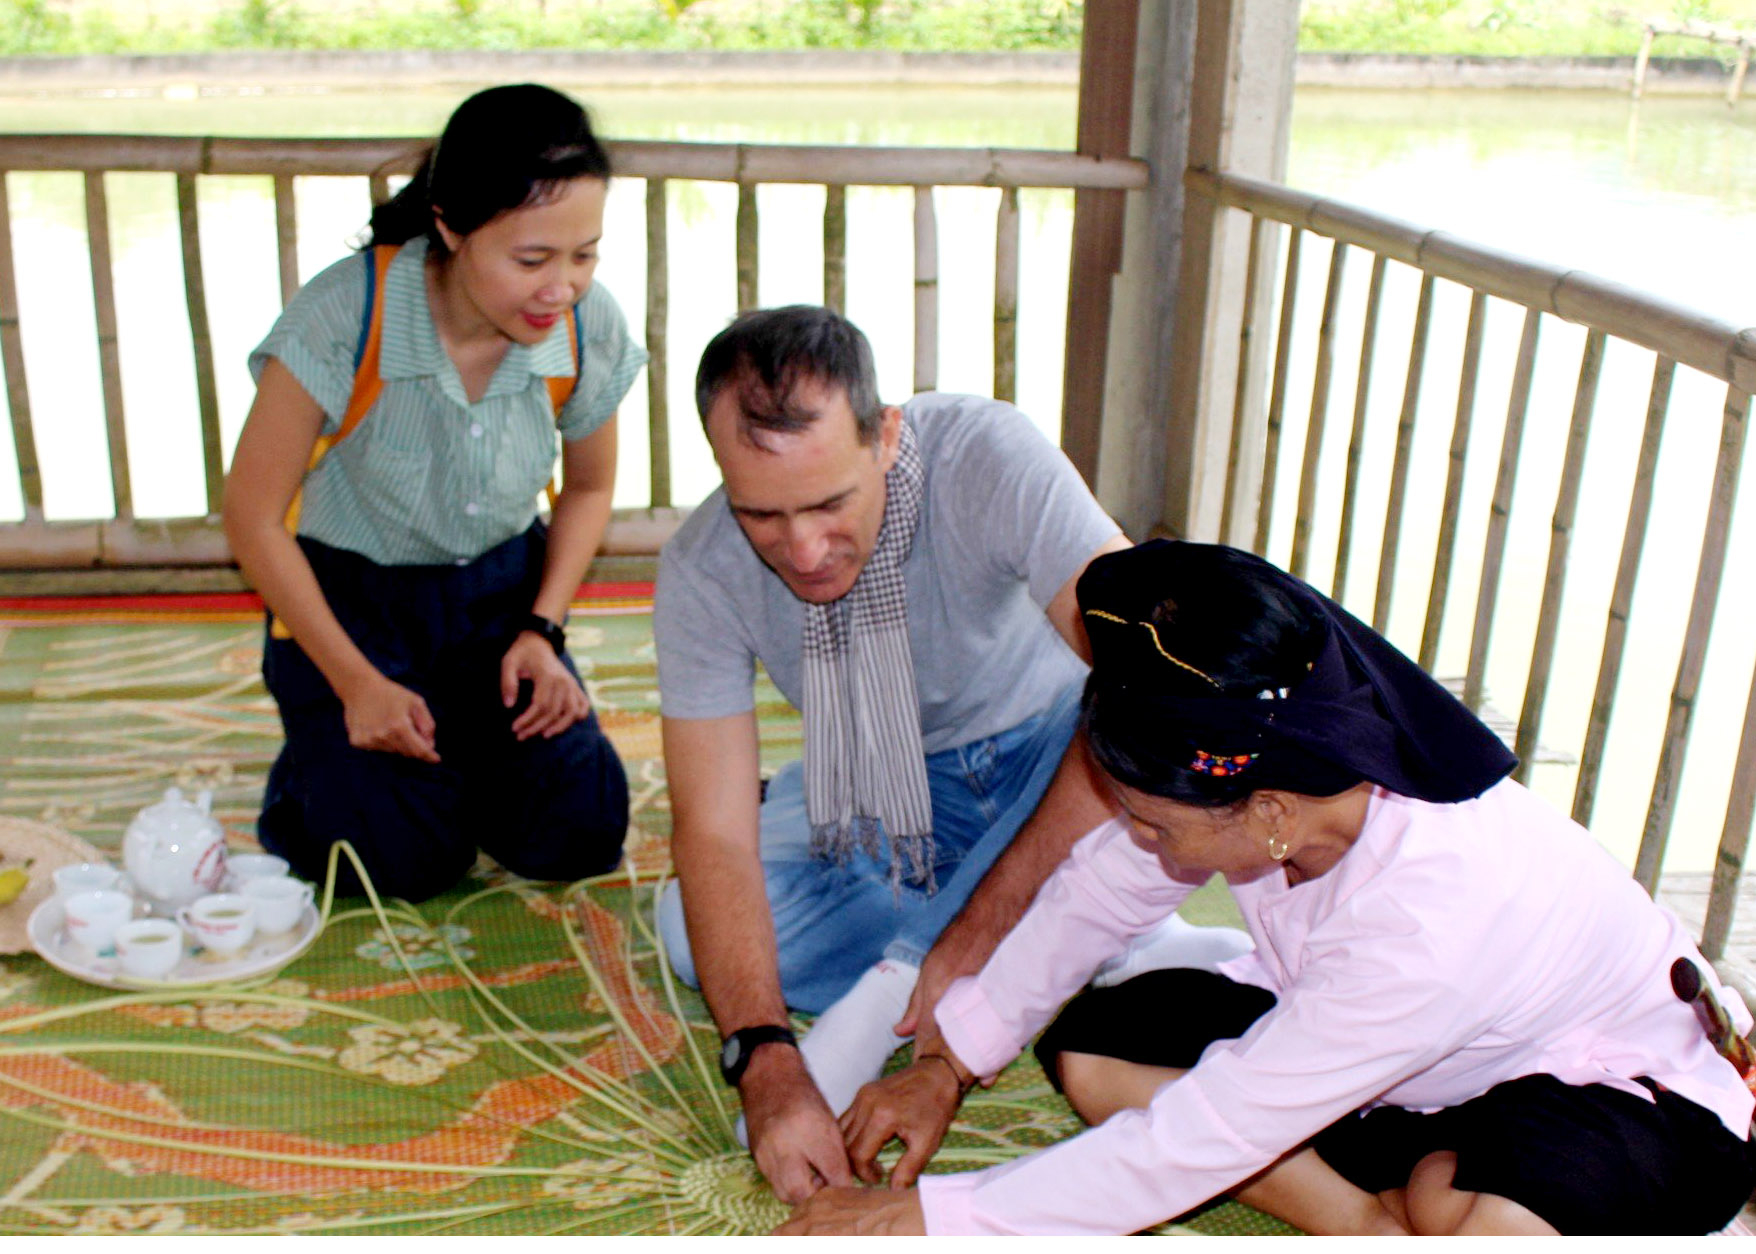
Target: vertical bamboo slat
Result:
[1650, 858]
[1241, 390]
[926, 292]
[195, 294]
[1356, 447]
[835, 247]
[1536, 688]
[103, 293]
[1006, 297]
[658, 299]
[1405, 440]
[1734, 840]
[1304, 519]
[286, 236]
[1445, 548]
[30, 478]
[1277, 399]
[747, 246]
[1500, 512]
[1609, 671]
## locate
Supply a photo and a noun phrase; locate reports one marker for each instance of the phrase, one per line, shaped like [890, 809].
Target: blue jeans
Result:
[832, 920]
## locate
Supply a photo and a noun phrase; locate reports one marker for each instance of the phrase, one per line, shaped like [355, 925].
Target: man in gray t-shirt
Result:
[905, 576]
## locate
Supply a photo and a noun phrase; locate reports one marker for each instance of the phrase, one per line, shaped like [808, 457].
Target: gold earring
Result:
[1278, 854]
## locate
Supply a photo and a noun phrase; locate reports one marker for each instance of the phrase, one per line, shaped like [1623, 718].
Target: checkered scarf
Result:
[864, 765]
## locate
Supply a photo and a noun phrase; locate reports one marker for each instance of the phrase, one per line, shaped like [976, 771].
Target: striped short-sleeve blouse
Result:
[428, 477]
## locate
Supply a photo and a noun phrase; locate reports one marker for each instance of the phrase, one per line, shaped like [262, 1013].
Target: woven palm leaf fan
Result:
[522, 1064]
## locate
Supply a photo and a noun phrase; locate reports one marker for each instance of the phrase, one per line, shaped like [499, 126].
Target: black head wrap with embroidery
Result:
[1331, 702]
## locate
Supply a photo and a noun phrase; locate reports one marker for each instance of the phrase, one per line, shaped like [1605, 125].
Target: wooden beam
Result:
[1106, 113]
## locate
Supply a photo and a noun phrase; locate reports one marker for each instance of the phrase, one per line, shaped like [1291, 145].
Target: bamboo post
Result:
[926, 292]
[1241, 391]
[1735, 88]
[1277, 400]
[658, 299]
[1609, 672]
[1640, 60]
[1734, 840]
[1536, 689]
[1305, 518]
[30, 478]
[286, 236]
[1356, 447]
[835, 247]
[195, 294]
[103, 293]
[1405, 439]
[1500, 512]
[1650, 858]
[747, 247]
[1006, 297]
[1445, 549]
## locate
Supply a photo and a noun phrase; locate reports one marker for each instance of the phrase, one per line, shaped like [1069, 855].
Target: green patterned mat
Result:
[506, 1059]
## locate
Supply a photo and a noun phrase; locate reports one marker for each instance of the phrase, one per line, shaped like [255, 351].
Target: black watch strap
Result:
[555, 633]
[734, 1055]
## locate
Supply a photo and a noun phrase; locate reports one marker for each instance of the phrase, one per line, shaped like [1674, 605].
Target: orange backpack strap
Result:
[368, 383]
[562, 387]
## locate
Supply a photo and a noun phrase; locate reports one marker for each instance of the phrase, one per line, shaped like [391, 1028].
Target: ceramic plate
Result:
[262, 956]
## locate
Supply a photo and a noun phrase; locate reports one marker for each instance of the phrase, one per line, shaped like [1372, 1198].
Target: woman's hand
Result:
[914, 1105]
[381, 714]
[858, 1213]
[557, 701]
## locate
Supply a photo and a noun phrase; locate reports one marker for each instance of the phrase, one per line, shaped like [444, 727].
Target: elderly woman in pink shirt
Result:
[1457, 1017]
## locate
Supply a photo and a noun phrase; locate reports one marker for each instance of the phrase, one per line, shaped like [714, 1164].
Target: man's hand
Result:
[557, 701]
[914, 1105]
[793, 1137]
[858, 1213]
[383, 715]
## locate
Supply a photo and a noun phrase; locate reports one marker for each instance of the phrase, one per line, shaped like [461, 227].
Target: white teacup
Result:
[241, 868]
[278, 901]
[85, 877]
[93, 916]
[222, 922]
[149, 948]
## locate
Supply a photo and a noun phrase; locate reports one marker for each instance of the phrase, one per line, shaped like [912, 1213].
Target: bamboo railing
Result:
[1675, 336]
[128, 541]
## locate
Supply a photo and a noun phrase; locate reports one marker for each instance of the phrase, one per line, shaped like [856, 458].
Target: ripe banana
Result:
[13, 881]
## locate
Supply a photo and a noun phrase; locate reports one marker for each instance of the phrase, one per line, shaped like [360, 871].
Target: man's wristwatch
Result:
[554, 632]
[735, 1054]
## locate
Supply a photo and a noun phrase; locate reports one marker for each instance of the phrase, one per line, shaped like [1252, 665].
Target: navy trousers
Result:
[549, 809]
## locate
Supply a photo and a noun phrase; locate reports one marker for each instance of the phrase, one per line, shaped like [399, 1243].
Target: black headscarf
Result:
[1360, 709]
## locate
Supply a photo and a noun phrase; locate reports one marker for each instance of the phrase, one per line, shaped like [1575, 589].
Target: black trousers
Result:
[1589, 1159]
[551, 809]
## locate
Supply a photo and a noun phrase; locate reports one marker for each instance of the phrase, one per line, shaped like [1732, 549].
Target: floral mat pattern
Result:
[509, 1058]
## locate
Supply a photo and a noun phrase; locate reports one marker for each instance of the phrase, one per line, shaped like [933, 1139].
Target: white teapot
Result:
[175, 851]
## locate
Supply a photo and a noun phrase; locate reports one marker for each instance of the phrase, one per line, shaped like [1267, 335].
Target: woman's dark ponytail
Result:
[502, 149]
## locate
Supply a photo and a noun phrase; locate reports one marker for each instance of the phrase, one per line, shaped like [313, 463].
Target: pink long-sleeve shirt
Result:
[1452, 948]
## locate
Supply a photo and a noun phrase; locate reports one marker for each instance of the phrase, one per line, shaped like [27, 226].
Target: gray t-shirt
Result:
[1006, 521]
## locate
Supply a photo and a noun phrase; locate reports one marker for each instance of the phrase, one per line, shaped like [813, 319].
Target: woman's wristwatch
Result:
[554, 632]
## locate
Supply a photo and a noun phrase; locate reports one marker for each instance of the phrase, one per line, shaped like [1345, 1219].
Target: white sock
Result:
[851, 1041]
[1174, 943]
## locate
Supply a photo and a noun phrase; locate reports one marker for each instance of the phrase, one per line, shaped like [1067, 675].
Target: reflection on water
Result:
[1660, 198]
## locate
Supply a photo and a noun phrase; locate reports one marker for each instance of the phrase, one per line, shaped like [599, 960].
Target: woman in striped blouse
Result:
[383, 500]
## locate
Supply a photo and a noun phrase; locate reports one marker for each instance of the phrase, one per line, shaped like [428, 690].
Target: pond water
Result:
[1661, 196]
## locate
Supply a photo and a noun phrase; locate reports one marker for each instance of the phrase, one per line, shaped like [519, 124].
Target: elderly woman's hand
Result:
[915, 1105]
[857, 1213]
